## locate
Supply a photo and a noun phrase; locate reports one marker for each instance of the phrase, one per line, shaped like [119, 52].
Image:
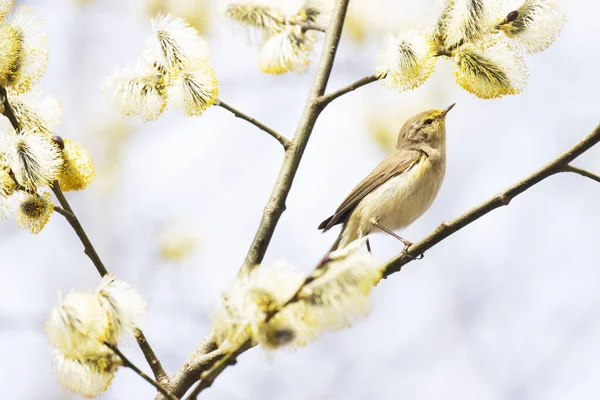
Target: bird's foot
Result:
[407, 244]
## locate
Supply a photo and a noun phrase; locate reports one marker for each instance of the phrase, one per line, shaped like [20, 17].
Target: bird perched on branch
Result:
[401, 188]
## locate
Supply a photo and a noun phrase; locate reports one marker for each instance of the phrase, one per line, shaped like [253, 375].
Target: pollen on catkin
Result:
[34, 212]
[40, 114]
[538, 24]
[339, 294]
[89, 373]
[466, 21]
[178, 43]
[255, 308]
[267, 19]
[124, 305]
[77, 169]
[174, 68]
[78, 322]
[24, 51]
[405, 61]
[289, 50]
[77, 329]
[7, 188]
[138, 90]
[195, 89]
[7, 184]
[5, 6]
[241, 312]
[493, 70]
[33, 158]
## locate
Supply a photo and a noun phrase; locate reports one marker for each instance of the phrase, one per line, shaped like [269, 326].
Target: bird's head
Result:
[426, 128]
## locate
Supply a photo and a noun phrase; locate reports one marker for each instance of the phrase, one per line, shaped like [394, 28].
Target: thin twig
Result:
[127, 363]
[582, 172]
[281, 139]
[72, 219]
[328, 98]
[155, 365]
[63, 212]
[501, 199]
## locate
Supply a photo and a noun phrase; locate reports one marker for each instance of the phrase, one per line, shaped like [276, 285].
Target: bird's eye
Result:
[428, 121]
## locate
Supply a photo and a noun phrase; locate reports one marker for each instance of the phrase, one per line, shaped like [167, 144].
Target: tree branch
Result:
[328, 98]
[312, 109]
[560, 164]
[127, 363]
[582, 172]
[181, 381]
[284, 142]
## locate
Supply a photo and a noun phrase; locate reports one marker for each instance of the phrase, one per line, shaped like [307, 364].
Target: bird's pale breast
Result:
[402, 199]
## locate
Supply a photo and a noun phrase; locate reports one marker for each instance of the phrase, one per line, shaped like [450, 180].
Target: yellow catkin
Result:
[31, 52]
[492, 70]
[34, 212]
[405, 61]
[77, 170]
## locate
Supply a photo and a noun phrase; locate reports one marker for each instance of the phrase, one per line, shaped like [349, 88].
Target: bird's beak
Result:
[450, 107]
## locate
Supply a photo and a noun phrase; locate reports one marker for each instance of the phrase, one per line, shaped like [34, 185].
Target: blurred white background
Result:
[508, 308]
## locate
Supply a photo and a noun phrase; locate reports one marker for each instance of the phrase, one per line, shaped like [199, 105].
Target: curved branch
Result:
[284, 142]
[582, 172]
[560, 164]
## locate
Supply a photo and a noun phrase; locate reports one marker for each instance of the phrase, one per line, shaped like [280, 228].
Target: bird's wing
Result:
[391, 166]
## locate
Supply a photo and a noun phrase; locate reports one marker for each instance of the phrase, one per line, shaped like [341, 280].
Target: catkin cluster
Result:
[173, 69]
[82, 325]
[485, 41]
[285, 43]
[31, 157]
[258, 308]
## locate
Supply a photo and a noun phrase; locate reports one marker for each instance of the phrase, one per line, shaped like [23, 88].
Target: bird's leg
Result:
[406, 243]
[368, 245]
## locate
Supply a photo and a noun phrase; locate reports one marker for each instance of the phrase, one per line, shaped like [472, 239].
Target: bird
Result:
[401, 188]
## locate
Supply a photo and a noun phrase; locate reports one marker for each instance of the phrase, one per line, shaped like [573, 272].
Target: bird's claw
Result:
[405, 253]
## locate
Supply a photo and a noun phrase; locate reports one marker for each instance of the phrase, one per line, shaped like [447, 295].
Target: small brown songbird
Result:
[401, 188]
